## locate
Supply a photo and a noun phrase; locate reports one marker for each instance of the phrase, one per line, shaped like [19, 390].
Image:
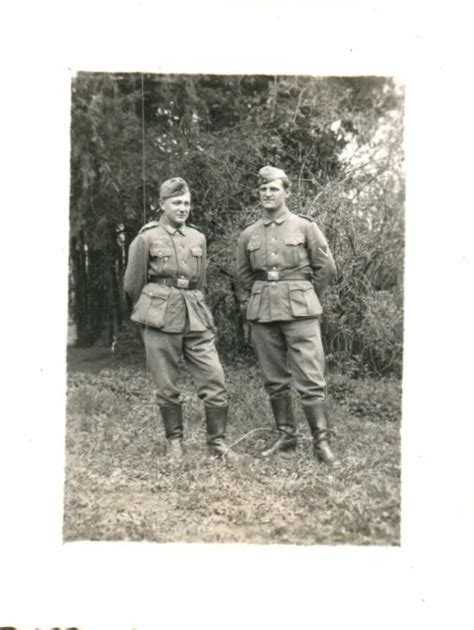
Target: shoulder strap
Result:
[305, 216]
[249, 224]
[195, 227]
[147, 226]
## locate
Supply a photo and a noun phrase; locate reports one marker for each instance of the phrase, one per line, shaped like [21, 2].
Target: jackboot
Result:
[317, 417]
[173, 421]
[282, 408]
[216, 423]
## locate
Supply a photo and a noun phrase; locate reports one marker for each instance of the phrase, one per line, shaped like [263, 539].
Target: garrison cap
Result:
[173, 188]
[269, 173]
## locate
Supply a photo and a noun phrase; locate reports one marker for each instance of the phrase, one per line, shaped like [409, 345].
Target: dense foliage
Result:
[339, 139]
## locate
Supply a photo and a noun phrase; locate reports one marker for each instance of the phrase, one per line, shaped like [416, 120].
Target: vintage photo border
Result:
[141, 585]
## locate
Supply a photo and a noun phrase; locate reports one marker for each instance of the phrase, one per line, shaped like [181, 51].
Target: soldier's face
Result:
[176, 209]
[273, 195]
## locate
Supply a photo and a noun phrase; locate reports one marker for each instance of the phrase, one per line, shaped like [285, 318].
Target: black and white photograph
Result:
[236, 271]
[235, 336]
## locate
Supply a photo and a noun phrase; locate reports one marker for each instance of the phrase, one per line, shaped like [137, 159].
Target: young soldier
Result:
[283, 267]
[165, 277]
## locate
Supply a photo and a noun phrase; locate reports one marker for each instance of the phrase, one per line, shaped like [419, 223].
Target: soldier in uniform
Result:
[283, 267]
[165, 278]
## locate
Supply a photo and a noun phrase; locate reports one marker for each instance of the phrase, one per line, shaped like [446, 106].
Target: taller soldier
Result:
[283, 267]
[165, 279]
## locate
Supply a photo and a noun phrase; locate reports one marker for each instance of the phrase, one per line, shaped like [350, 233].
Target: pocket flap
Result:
[297, 239]
[254, 243]
[303, 285]
[196, 250]
[160, 252]
[156, 291]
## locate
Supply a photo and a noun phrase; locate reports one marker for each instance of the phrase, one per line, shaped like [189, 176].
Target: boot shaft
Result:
[282, 408]
[216, 424]
[173, 421]
[317, 417]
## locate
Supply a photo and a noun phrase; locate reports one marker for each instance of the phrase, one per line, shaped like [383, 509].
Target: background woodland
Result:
[339, 139]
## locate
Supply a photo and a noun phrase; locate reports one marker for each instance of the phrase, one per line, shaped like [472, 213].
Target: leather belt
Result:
[275, 275]
[178, 283]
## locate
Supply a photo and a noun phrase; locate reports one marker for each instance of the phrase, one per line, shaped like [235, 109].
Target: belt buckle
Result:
[182, 283]
[273, 274]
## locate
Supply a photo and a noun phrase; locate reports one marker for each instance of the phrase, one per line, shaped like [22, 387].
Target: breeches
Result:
[291, 351]
[163, 352]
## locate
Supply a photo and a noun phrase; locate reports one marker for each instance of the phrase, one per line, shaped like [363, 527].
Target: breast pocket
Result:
[255, 250]
[162, 257]
[294, 250]
[196, 256]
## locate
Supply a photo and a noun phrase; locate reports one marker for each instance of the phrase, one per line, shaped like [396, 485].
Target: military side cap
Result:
[173, 188]
[269, 173]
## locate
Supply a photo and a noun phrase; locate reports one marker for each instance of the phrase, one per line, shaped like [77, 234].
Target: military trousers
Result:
[291, 351]
[163, 352]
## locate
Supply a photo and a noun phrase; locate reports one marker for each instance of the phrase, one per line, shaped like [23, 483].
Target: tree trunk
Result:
[79, 289]
[96, 295]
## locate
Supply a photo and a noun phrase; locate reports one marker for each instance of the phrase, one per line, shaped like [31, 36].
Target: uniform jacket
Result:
[293, 245]
[160, 250]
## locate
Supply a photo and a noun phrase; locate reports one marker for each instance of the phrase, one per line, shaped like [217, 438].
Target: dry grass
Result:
[119, 485]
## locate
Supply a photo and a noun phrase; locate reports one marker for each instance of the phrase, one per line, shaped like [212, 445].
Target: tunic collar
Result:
[283, 216]
[172, 230]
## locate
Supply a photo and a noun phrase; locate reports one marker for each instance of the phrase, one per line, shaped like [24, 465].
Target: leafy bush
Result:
[378, 400]
[364, 333]
[381, 334]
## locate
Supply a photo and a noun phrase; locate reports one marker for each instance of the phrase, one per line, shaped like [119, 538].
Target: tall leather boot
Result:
[216, 423]
[173, 421]
[317, 417]
[282, 408]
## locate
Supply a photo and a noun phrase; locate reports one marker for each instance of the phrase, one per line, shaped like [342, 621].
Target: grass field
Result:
[119, 485]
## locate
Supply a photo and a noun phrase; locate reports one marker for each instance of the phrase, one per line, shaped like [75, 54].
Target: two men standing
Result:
[283, 268]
